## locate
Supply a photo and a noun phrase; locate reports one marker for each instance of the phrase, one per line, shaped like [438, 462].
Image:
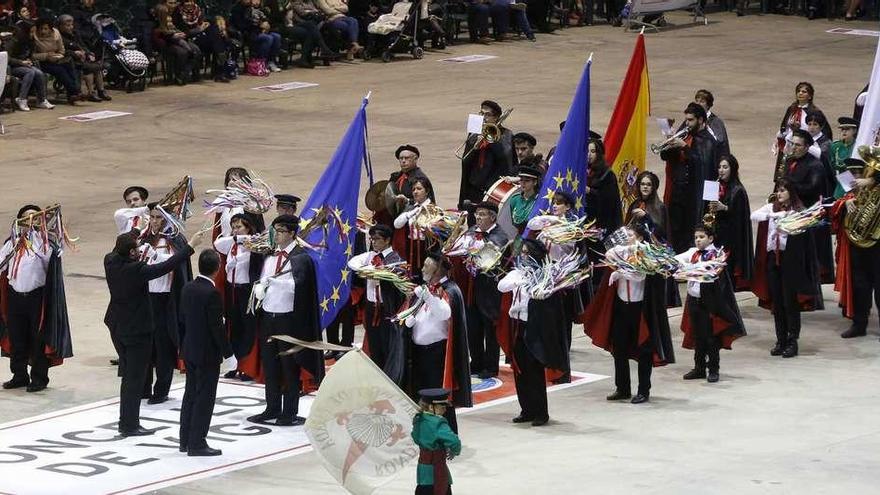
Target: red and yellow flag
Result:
[625, 138]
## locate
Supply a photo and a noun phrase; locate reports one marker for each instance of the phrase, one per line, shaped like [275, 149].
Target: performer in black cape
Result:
[711, 319]
[628, 319]
[733, 227]
[795, 118]
[539, 327]
[786, 272]
[130, 318]
[383, 340]
[485, 162]
[34, 328]
[437, 344]
[289, 307]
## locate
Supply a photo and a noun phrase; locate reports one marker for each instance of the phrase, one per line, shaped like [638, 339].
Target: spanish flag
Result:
[625, 138]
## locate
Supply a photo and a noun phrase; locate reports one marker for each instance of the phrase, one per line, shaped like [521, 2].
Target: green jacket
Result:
[432, 433]
[839, 152]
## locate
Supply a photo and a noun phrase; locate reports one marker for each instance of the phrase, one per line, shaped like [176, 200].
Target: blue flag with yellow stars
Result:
[336, 195]
[568, 166]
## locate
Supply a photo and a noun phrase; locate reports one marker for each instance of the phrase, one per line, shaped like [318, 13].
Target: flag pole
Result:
[590, 59]
[642, 31]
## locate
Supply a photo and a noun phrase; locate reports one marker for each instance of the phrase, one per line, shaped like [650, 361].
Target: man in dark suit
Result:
[204, 347]
[130, 319]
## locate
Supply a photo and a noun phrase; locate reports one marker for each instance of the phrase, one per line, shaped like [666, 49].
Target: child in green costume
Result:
[436, 442]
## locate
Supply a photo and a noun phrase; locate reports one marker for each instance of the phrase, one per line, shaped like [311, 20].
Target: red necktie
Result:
[281, 256]
[377, 260]
[134, 223]
[792, 167]
[722, 190]
[401, 180]
[478, 236]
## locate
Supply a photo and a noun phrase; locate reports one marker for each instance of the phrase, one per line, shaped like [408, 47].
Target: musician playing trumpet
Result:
[690, 161]
[487, 156]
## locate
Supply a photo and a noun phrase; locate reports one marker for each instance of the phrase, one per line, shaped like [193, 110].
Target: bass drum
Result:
[500, 193]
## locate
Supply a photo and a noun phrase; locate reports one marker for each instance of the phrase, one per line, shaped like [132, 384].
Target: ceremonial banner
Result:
[568, 166]
[625, 139]
[360, 425]
[337, 191]
[869, 127]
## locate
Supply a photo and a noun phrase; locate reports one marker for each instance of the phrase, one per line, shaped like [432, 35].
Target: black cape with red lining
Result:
[719, 299]
[733, 232]
[55, 325]
[653, 328]
[799, 266]
[544, 332]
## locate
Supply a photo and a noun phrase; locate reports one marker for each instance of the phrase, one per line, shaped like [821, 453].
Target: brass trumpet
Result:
[658, 148]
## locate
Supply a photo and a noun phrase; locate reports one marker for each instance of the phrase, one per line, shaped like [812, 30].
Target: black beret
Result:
[526, 137]
[529, 171]
[383, 231]
[25, 208]
[289, 221]
[854, 164]
[487, 205]
[406, 147]
[287, 199]
[595, 135]
[141, 189]
[847, 122]
[496, 108]
[434, 395]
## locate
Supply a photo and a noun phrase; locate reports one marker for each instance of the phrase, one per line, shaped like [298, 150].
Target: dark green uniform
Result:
[434, 438]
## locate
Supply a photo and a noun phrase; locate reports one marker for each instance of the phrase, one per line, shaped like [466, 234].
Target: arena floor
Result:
[803, 425]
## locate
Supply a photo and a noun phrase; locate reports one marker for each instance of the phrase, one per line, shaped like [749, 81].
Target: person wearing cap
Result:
[289, 307]
[483, 162]
[437, 443]
[524, 148]
[842, 149]
[439, 329]
[286, 204]
[539, 337]
[690, 161]
[403, 180]
[483, 298]
[523, 202]
[135, 215]
[382, 340]
[858, 268]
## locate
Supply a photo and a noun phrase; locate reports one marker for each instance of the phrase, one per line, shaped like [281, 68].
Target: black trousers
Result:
[164, 356]
[865, 272]
[345, 320]
[134, 358]
[198, 403]
[707, 346]
[24, 314]
[624, 339]
[282, 373]
[531, 388]
[786, 310]
[242, 326]
[483, 342]
[378, 332]
[428, 363]
[429, 490]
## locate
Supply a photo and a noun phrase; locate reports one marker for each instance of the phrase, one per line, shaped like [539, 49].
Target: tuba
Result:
[863, 228]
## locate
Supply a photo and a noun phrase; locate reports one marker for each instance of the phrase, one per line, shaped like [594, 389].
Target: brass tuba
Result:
[863, 227]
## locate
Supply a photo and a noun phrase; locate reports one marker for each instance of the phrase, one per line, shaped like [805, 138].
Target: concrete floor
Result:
[772, 426]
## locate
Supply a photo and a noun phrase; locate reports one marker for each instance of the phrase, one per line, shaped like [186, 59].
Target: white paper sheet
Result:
[846, 179]
[474, 123]
[711, 190]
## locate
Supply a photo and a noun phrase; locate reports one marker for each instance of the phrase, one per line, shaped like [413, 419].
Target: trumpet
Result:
[658, 148]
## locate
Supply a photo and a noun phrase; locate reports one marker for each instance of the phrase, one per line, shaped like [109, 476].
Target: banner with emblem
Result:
[336, 196]
[360, 425]
[869, 127]
[626, 136]
[568, 166]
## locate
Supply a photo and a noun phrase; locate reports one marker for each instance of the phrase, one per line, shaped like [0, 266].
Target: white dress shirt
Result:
[519, 305]
[686, 258]
[409, 218]
[469, 241]
[430, 324]
[630, 286]
[374, 295]
[776, 239]
[814, 148]
[131, 218]
[27, 268]
[206, 278]
[238, 257]
[154, 255]
[280, 290]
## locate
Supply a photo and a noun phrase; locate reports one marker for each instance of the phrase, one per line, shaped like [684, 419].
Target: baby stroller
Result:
[395, 32]
[125, 65]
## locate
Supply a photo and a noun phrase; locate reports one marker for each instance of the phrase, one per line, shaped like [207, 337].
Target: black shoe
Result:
[290, 421]
[182, 448]
[639, 399]
[146, 395]
[541, 421]
[36, 387]
[104, 96]
[114, 362]
[221, 79]
[695, 374]
[157, 400]
[302, 63]
[488, 374]
[811, 15]
[777, 349]
[263, 418]
[94, 99]
[16, 383]
[712, 377]
[137, 432]
[522, 419]
[619, 395]
[854, 331]
[791, 350]
[245, 377]
[205, 452]
[230, 374]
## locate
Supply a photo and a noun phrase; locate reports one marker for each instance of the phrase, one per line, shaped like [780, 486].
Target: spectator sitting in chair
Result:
[49, 51]
[248, 19]
[478, 18]
[22, 66]
[184, 55]
[503, 11]
[188, 18]
[299, 28]
[337, 15]
[84, 60]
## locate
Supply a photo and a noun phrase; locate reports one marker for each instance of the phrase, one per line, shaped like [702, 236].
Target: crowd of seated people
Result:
[64, 45]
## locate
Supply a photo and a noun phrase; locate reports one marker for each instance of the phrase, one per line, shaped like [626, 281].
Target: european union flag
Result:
[568, 166]
[337, 190]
